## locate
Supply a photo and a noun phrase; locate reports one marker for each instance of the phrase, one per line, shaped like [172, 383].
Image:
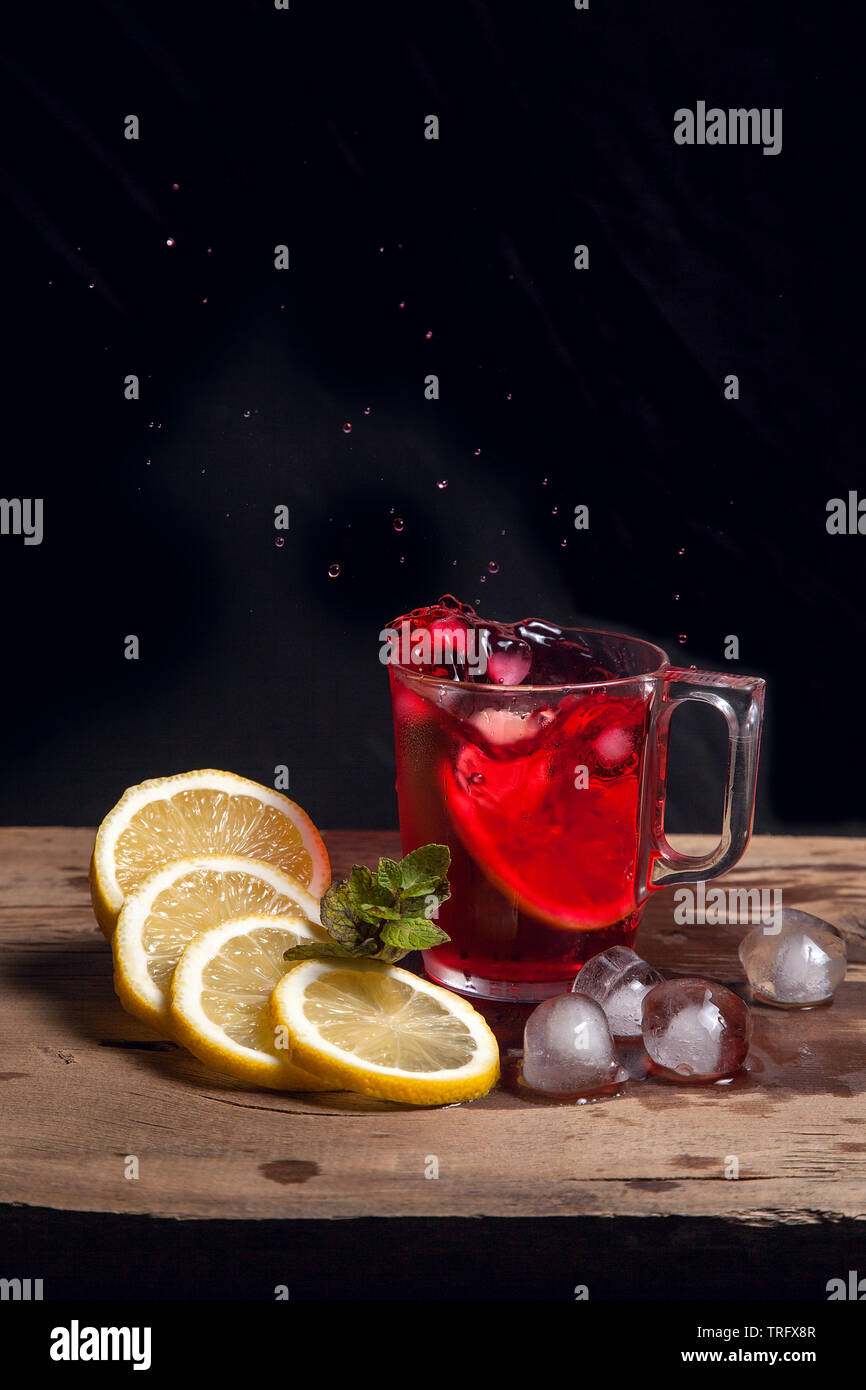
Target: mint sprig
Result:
[385, 915]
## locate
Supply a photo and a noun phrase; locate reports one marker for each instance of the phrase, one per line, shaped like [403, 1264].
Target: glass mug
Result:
[551, 800]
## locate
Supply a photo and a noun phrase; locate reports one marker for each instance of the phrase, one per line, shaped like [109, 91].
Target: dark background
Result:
[306, 127]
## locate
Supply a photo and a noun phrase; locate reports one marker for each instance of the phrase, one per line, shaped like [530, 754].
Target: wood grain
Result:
[83, 1085]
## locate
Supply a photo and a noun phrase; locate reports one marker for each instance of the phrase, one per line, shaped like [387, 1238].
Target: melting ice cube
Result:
[618, 980]
[696, 1028]
[567, 1047]
[802, 963]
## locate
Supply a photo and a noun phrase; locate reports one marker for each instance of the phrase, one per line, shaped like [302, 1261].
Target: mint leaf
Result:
[390, 875]
[413, 934]
[424, 869]
[384, 914]
[325, 950]
[339, 918]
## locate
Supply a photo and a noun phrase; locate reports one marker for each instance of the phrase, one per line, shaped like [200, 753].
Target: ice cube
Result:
[567, 1047]
[618, 979]
[801, 963]
[696, 1028]
[509, 661]
[614, 745]
[501, 727]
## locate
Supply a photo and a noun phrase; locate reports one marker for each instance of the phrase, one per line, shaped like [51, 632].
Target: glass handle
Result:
[740, 699]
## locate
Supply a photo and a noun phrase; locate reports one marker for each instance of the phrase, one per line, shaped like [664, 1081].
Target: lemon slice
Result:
[219, 999]
[378, 1029]
[171, 906]
[192, 813]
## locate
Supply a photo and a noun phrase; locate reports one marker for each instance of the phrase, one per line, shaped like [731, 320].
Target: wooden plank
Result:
[83, 1085]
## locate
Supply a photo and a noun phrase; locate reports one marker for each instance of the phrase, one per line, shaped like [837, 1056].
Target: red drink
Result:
[527, 750]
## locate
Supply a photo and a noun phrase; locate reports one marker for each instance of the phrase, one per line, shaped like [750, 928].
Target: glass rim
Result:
[662, 663]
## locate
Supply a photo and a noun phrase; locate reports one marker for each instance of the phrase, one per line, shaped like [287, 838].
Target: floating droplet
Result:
[553, 511]
[508, 396]
[347, 428]
[175, 186]
[169, 241]
[428, 334]
[204, 301]
[334, 571]
[682, 638]
[482, 578]
[544, 482]
[280, 541]
[477, 452]
[492, 566]
[676, 597]
[682, 552]
[402, 559]
[398, 523]
[442, 484]
[563, 543]
[246, 414]
[366, 410]
[402, 304]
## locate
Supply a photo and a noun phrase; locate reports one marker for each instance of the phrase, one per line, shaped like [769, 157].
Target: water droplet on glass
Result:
[508, 396]
[347, 428]
[502, 533]
[204, 301]
[476, 779]
[544, 482]
[676, 596]
[175, 186]
[169, 241]
[334, 571]
[442, 484]
[280, 541]
[492, 566]
[402, 304]
[482, 578]
[453, 562]
[398, 523]
[92, 286]
[428, 334]
[149, 462]
[682, 638]
[210, 250]
[553, 511]
[366, 410]
[246, 414]
[682, 551]
[381, 248]
[477, 452]
[402, 559]
[563, 543]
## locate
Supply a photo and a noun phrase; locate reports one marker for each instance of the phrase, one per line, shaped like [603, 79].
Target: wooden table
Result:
[241, 1190]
